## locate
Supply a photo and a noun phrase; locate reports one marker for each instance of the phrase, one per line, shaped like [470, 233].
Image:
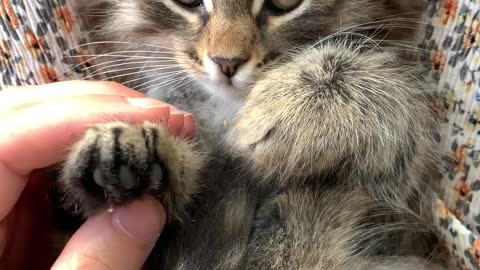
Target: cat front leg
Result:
[357, 113]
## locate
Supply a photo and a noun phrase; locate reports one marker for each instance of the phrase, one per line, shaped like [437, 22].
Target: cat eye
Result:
[282, 6]
[190, 3]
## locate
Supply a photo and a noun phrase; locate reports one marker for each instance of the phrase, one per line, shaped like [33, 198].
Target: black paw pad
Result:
[127, 178]
[157, 173]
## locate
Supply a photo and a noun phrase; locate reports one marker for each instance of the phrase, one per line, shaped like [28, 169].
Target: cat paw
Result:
[116, 163]
[333, 107]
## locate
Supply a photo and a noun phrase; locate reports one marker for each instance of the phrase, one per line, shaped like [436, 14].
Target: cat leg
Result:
[338, 110]
[331, 228]
[302, 229]
[335, 105]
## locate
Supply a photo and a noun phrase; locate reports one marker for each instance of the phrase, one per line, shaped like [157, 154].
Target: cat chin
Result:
[234, 90]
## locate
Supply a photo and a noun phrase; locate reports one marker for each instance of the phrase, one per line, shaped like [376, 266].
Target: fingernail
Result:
[176, 116]
[174, 110]
[175, 123]
[188, 118]
[147, 103]
[141, 221]
[189, 126]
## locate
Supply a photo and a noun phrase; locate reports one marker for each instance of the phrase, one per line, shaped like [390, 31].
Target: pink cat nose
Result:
[229, 66]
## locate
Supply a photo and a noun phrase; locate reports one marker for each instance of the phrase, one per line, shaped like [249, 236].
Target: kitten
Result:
[314, 145]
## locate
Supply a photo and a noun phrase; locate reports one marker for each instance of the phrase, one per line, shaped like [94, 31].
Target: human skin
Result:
[37, 126]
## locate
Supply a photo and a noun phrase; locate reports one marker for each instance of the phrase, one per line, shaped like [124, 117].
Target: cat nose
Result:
[229, 66]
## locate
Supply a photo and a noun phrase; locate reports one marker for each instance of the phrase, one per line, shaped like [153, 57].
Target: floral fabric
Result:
[451, 46]
[41, 42]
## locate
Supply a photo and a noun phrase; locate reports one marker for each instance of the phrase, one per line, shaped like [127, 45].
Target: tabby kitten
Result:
[314, 145]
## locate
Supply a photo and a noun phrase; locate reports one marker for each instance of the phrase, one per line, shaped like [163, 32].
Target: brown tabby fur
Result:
[326, 159]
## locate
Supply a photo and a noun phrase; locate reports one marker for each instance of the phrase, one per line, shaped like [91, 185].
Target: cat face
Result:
[233, 39]
[225, 44]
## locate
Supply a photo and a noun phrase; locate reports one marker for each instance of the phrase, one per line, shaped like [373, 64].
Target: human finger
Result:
[121, 240]
[20, 97]
[28, 141]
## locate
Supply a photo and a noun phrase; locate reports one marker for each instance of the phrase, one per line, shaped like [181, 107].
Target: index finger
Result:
[40, 136]
[24, 96]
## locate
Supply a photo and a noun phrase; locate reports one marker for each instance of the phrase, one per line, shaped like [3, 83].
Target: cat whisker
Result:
[126, 53]
[94, 57]
[366, 39]
[179, 83]
[396, 19]
[121, 42]
[122, 61]
[157, 86]
[98, 15]
[113, 64]
[399, 15]
[122, 57]
[148, 76]
[138, 72]
[171, 74]
[406, 22]
[173, 79]
[186, 80]
[151, 68]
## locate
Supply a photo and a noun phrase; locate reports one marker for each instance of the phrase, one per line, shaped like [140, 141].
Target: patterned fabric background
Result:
[452, 47]
[40, 43]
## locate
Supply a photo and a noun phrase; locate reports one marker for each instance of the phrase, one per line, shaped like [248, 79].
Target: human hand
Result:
[37, 124]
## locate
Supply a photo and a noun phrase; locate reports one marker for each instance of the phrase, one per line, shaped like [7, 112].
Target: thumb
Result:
[120, 240]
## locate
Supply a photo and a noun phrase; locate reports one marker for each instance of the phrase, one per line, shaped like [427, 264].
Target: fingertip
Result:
[189, 126]
[148, 103]
[29, 130]
[175, 123]
[120, 240]
[141, 221]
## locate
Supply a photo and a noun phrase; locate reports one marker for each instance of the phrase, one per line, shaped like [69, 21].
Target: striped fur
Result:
[315, 141]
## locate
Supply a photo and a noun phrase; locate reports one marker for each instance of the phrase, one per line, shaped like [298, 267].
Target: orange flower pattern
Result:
[40, 42]
[452, 54]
